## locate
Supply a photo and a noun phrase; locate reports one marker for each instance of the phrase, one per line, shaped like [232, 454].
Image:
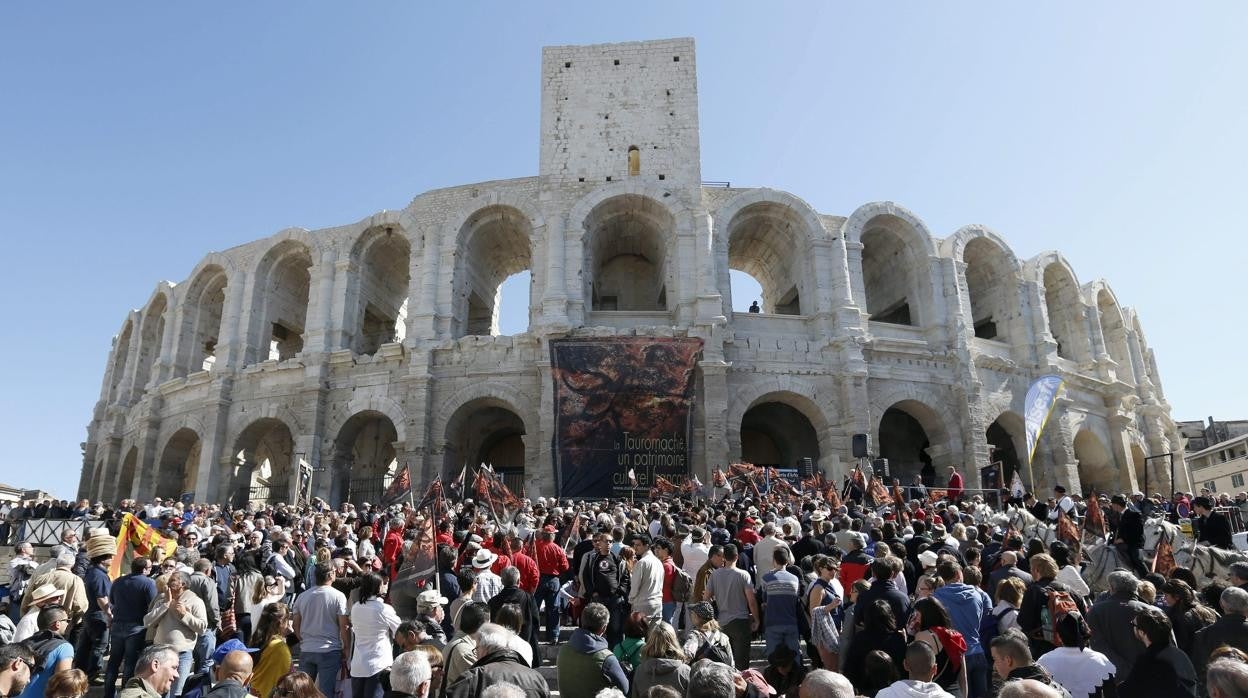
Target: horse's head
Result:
[1157, 530]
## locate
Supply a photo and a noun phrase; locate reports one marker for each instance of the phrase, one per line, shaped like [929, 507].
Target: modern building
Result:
[322, 361]
[1221, 467]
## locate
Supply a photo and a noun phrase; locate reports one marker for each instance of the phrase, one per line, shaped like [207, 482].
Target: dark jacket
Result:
[865, 641]
[503, 666]
[228, 688]
[1131, 529]
[997, 575]
[1215, 530]
[1231, 629]
[887, 590]
[1112, 635]
[660, 672]
[1186, 623]
[1160, 670]
[806, 545]
[528, 609]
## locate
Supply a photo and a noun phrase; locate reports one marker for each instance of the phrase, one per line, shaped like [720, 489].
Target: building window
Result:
[1211, 486]
[1237, 480]
[634, 161]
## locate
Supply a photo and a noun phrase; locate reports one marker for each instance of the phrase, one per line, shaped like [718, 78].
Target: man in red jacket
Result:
[529, 575]
[955, 484]
[392, 546]
[552, 562]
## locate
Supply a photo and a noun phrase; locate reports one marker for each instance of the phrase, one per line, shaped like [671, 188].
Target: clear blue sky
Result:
[135, 138]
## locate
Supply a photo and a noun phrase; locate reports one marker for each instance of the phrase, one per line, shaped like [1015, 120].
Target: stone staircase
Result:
[550, 654]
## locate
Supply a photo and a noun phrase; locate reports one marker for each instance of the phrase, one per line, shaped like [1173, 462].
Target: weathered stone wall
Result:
[323, 361]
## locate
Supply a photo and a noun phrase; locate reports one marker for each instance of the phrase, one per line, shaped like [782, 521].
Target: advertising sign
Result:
[621, 404]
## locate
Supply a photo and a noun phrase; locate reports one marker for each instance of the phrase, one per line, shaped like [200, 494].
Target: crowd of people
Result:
[663, 599]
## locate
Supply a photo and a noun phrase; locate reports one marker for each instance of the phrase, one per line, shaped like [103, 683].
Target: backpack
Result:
[682, 587]
[713, 651]
[1057, 604]
[990, 627]
[43, 643]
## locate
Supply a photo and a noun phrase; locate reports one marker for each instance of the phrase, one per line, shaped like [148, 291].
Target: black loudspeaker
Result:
[806, 467]
[862, 445]
[880, 466]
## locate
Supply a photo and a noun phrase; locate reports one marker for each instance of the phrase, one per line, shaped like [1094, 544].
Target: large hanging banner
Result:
[1037, 406]
[621, 403]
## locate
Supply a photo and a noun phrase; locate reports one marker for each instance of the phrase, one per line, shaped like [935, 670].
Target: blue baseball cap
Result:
[229, 646]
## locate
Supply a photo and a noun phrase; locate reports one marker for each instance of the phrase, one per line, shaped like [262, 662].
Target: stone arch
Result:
[1113, 328]
[500, 393]
[629, 254]
[391, 409]
[151, 335]
[492, 243]
[366, 457]
[781, 263]
[263, 460]
[895, 263]
[126, 475]
[581, 231]
[180, 458]
[202, 308]
[777, 430]
[491, 430]
[121, 359]
[281, 288]
[801, 398]
[1007, 442]
[990, 278]
[910, 434]
[1064, 306]
[381, 258]
[1095, 463]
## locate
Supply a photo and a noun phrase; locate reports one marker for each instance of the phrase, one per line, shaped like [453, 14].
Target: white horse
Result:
[1028, 526]
[1206, 562]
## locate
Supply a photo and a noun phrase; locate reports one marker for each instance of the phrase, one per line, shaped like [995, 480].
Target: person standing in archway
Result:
[955, 484]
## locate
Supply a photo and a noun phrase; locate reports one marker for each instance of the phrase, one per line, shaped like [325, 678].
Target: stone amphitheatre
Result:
[322, 362]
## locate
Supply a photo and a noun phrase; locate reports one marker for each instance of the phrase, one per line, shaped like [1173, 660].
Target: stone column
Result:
[555, 295]
[824, 304]
[857, 289]
[235, 320]
[715, 450]
[549, 479]
[1058, 441]
[1045, 345]
[1120, 424]
[318, 335]
[112, 471]
[216, 469]
[422, 312]
[163, 364]
[146, 478]
[938, 311]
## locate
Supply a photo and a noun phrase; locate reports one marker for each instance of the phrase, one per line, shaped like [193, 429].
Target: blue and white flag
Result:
[1041, 397]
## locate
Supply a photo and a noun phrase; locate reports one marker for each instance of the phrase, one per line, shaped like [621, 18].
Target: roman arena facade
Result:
[323, 361]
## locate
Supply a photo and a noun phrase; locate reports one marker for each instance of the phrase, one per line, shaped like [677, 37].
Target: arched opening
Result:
[769, 242]
[383, 285]
[280, 303]
[264, 458]
[1007, 442]
[1066, 320]
[634, 161]
[992, 290]
[125, 482]
[1115, 334]
[201, 322]
[179, 464]
[1096, 464]
[889, 276]
[121, 356]
[493, 246]
[365, 459]
[151, 334]
[626, 254]
[907, 430]
[486, 431]
[776, 434]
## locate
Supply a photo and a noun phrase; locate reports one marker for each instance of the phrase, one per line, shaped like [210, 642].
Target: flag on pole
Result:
[400, 487]
[632, 477]
[432, 498]
[1017, 489]
[420, 560]
[1163, 559]
[1066, 531]
[1095, 520]
[1038, 407]
[137, 539]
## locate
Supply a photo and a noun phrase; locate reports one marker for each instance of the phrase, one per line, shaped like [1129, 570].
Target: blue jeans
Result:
[322, 667]
[127, 644]
[977, 675]
[366, 686]
[782, 634]
[184, 670]
[669, 610]
[204, 647]
[548, 594]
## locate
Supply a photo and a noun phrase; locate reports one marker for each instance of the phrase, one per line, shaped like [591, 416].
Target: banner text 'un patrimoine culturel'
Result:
[621, 403]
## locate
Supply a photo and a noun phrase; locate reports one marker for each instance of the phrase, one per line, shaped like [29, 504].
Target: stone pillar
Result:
[825, 304]
[1120, 424]
[936, 325]
[1045, 345]
[857, 288]
[146, 478]
[555, 295]
[715, 450]
[112, 471]
[318, 335]
[163, 364]
[235, 320]
[217, 463]
[1058, 441]
[125, 388]
[422, 311]
[549, 478]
